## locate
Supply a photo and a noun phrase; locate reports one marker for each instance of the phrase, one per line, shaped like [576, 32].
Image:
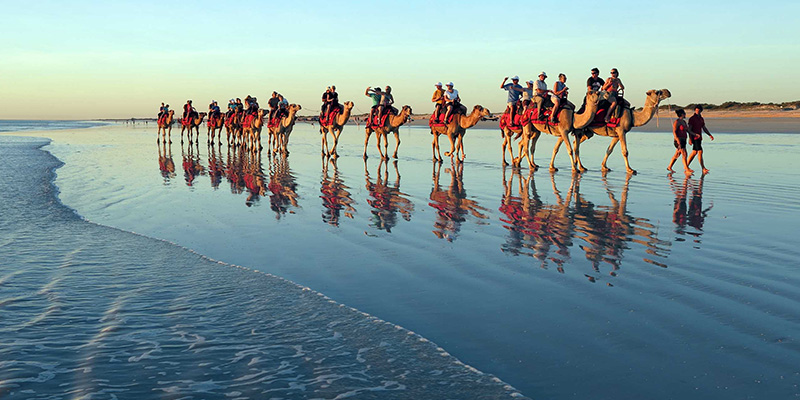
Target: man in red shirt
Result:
[697, 125]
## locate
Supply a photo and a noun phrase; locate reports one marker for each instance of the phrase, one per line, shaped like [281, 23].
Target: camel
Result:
[165, 128]
[233, 128]
[335, 129]
[393, 124]
[215, 126]
[455, 131]
[280, 133]
[628, 120]
[193, 123]
[251, 132]
[568, 121]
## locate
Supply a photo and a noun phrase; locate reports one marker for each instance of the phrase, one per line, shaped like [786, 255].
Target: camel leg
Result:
[577, 152]
[436, 149]
[532, 150]
[335, 133]
[559, 140]
[323, 133]
[565, 139]
[385, 145]
[452, 151]
[624, 148]
[397, 144]
[610, 149]
[368, 132]
[503, 150]
[378, 137]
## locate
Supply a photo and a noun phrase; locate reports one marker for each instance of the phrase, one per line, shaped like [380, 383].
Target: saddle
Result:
[330, 117]
[276, 120]
[602, 110]
[379, 121]
[460, 109]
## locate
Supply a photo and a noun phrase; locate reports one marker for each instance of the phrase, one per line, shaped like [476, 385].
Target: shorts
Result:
[697, 145]
[555, 98]
[680, 143]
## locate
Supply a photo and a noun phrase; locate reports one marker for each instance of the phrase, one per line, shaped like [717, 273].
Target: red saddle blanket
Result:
[600, 120]
[248, 119]
[440, 121]
[212, 121]
[162, 120]
[330, 118]
[379, 121]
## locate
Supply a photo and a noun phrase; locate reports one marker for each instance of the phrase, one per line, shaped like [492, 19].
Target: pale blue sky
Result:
[86, 59]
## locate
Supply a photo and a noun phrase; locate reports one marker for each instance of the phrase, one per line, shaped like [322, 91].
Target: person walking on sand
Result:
[679, 135]
[697, 125]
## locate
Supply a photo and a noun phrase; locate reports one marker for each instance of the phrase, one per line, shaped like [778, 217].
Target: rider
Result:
[559, 95]
[593, 84]
[326, 100]
[376, 95]
[214, 110]
[438, 100]
[253, 106]
[273, 105]
[161, 111]
[334, 97]
[540, 94]
[514, 90]
[239, 105]
[386, 101]
[231, 108]
[613, 86]
[452, 100]
[187, 109]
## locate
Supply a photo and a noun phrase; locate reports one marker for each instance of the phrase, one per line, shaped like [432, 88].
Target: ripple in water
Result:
[89, 311]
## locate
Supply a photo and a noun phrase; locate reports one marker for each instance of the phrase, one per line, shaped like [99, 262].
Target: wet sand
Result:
[588, 286]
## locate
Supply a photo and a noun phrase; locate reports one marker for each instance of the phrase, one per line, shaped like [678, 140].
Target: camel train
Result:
[526, 127]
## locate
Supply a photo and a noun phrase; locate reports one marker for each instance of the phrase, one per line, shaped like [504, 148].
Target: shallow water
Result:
[589, 286]
[88, 311]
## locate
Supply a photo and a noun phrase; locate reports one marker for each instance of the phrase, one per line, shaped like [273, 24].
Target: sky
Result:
[121, 59]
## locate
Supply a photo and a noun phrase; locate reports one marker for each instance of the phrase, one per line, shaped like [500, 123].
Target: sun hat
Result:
[449, 83]
[543, 73]
[515, 78]
[531, 82]
[438, 84]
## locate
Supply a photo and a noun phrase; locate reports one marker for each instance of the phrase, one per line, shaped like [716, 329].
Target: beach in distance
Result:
[531, 278]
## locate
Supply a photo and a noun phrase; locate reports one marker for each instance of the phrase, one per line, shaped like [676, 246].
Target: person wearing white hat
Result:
[438, 100]
[514, 89]
[541, 93]
[452, 100]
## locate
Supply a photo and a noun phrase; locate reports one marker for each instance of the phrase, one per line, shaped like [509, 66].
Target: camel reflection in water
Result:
[452, 205]
[535, 228]
[693, 215]
[282, 187]
[165, 163]
[547, 232]
[334, 194]
[385, 198]
[191, 164]
[607, 230]
[216, 168]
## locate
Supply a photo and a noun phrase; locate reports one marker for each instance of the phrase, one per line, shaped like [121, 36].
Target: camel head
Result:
[348, 105]
[484, 112]
[656, 96]
[261, 113]
[295, 107]
[407, 112]
[171, 112]
[593, 96]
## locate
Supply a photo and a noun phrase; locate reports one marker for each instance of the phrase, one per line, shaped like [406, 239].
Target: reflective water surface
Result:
[582, 286]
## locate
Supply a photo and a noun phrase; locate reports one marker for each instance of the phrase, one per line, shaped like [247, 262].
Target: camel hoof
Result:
[553, 169]
[534, 167]
[632, 171]
[505, 163]
[583, 169]
[605, 169]
[365, 157]
[395, 156]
